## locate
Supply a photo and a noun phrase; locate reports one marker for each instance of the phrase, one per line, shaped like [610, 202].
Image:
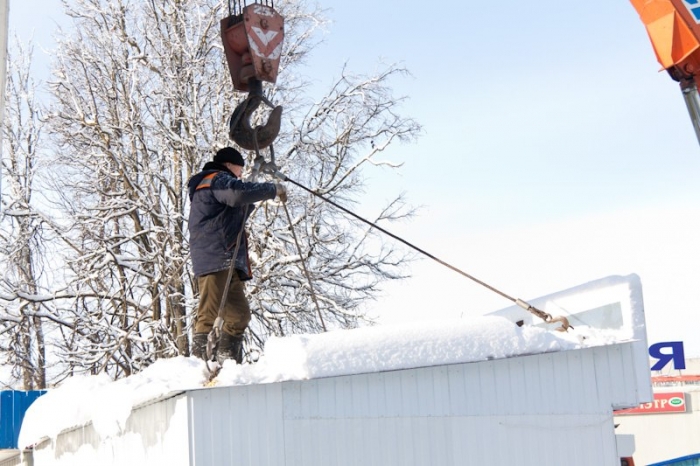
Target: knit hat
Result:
[230, 155]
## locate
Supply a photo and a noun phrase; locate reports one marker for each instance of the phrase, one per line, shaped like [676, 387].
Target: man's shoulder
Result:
[210, 174]
[223, 180]
[203, 179]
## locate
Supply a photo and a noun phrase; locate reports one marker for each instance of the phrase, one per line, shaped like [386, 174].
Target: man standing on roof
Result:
[220, 203]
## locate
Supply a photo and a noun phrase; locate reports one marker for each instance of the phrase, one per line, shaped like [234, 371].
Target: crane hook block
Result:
[241, 131]
[253, 44]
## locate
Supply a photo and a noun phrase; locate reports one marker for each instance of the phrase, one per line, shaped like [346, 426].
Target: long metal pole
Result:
[692, 102]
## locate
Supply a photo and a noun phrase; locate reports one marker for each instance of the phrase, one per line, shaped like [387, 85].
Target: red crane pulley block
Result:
[253, 44]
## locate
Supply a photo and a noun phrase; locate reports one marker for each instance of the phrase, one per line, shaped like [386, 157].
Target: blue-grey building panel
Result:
[13, 405]
[689, 460]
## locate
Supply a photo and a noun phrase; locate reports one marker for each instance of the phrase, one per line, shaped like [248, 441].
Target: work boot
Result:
[199, 345]
[230, 347]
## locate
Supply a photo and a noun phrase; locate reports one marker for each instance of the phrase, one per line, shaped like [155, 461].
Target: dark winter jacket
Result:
[218, 203]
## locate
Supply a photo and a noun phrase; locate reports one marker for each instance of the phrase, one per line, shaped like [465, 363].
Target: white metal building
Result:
[531, 410]
[539, 409]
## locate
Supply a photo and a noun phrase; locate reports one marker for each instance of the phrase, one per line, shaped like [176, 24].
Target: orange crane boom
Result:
[673, 27]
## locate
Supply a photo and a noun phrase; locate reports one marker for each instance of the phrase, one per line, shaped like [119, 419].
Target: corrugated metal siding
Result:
[543, 409]
[16, 460]
[624, 293]
[620, 377]
[155, 434]
[237, 426]
[527, 410]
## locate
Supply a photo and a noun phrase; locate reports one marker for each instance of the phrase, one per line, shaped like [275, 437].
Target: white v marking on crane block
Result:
[266, 44]
[265, 37]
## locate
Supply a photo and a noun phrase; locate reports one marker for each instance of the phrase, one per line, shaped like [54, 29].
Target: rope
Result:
[523, 304]
[303, 266]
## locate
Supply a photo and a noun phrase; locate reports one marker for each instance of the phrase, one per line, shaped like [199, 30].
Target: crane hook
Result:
[241, 131]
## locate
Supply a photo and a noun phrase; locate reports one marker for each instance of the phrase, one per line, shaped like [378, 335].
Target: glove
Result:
[281, 192]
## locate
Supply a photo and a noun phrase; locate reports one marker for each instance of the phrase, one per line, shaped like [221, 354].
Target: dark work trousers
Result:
[236, 313]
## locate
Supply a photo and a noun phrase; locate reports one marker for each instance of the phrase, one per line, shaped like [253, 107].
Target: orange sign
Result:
[669, 402]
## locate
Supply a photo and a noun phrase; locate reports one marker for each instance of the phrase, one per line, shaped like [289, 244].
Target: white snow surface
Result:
[107, 404]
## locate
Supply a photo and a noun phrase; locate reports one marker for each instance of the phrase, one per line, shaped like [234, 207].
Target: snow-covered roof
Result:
[107, 404]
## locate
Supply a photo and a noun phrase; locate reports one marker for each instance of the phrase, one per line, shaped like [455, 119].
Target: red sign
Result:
[669, 402]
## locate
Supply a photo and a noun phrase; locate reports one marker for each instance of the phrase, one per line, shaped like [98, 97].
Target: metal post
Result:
[692, 101]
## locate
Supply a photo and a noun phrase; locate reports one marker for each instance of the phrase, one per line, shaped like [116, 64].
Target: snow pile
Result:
[384, 348]
[107, 404]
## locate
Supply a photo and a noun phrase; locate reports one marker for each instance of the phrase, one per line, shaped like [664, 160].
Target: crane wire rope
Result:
[521, 303]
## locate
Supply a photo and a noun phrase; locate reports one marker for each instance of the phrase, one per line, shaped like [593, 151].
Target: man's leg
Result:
[236, 319]
[236, 314]
[237, 309]
[211, 289]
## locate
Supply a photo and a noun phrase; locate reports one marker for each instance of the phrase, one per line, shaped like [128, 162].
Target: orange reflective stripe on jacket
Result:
[206, 181]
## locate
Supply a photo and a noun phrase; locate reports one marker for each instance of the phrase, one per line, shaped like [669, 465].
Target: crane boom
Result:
[673, 27]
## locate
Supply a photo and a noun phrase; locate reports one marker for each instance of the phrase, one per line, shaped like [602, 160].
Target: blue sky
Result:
[554, 152]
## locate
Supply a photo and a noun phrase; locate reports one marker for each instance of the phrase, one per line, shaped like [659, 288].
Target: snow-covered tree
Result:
[22, 230]
[141, 99]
